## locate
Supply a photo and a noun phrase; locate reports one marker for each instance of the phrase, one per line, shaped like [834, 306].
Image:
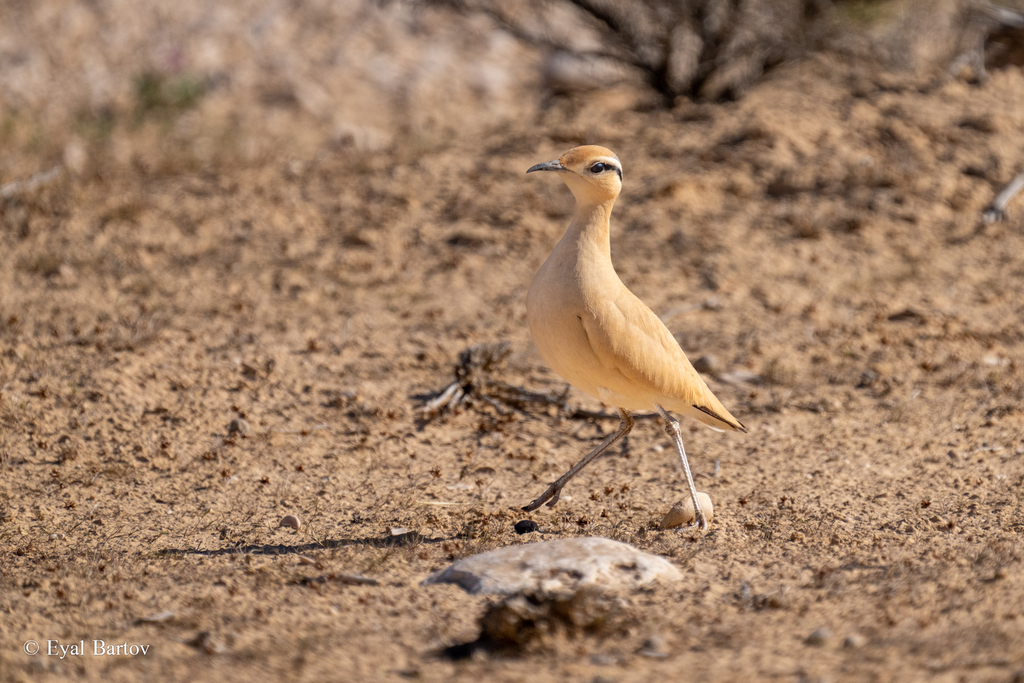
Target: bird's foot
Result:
[700, 523]
[550, 497]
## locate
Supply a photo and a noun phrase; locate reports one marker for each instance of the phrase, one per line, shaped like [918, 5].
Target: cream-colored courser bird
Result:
[598, 335]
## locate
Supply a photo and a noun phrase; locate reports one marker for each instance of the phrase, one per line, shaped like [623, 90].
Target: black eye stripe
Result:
[601, 167]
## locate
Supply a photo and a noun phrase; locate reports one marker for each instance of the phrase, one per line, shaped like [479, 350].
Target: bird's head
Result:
[594, 174]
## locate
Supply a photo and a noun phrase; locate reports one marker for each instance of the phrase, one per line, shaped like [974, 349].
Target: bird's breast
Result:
[554, 306]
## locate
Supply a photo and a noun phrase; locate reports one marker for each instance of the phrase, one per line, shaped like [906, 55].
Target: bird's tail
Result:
[718, 418]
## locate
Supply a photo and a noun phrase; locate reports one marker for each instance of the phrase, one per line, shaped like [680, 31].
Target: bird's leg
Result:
[551, 495]
[672, 427]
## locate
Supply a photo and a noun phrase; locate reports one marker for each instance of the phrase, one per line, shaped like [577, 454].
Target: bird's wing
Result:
[628, 337]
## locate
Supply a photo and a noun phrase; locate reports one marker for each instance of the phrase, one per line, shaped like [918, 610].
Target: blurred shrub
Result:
[157, 92]
[707, 49]
[716, 49]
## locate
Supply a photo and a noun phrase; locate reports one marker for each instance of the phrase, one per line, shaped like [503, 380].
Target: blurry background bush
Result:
[189, 84]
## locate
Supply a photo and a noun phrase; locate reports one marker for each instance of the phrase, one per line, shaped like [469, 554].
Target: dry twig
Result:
[32, 182]
[474, 385]
[985, 24]
[996, 211]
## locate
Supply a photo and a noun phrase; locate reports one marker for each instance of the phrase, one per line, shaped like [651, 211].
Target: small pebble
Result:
[207, 643]
[682, 512]
[76, 156]
[158, 618]
[525, 526]
[855, 641]
[819, 637]
[707, 365]
[654, 647]
[292, 521]
[239, 426]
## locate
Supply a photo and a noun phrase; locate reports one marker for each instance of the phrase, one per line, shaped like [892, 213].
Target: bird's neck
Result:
[588, 230]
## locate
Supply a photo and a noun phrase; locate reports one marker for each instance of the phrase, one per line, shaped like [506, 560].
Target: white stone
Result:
[553, 566]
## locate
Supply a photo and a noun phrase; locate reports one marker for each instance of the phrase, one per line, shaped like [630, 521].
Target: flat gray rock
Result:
[555, 566]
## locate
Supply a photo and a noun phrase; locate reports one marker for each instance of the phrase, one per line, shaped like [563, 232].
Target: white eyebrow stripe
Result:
[608, 161]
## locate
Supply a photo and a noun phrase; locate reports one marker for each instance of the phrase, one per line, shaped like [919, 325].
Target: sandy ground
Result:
[819, 238]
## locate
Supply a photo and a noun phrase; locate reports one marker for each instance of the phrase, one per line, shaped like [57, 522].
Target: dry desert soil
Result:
[229, 301]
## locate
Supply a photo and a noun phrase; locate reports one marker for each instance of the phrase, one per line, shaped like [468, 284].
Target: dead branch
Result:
[707, 49]
[471, 378]
[474, 385]
[985, 22]
[32, 182]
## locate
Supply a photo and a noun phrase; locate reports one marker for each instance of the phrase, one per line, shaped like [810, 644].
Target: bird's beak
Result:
[555, 165]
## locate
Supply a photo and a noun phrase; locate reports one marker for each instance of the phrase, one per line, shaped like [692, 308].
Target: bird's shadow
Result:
[408, 539]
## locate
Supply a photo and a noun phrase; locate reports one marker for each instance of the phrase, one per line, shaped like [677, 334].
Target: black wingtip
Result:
[734, 424]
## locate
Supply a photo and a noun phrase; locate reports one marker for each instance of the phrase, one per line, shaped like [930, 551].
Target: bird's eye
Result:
[598, 168]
